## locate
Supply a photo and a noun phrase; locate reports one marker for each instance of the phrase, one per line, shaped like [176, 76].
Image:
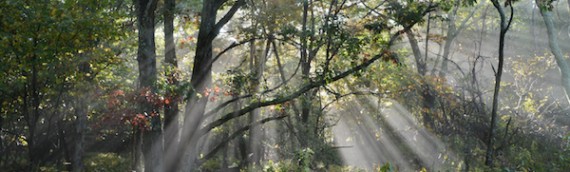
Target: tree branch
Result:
[226, 18]
[311, 85]
[236, 134]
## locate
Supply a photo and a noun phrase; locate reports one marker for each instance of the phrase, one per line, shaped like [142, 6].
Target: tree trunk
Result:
[556, 51]
[201, 79]
[450, 37]
[171, 118]
[428, 99]
[33, 117]
[452, 32]
[505, 24]
[305, 71]
[426, 50]
[81, 121]
[146, 57]
[256, 134]
[420, 63]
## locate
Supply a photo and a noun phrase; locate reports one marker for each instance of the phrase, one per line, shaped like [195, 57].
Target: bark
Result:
[305, 71]
[201, 79]
[420, 63]
[237, 134]
[146, 57]
[428, 99]
[428, 29]
[253, 145]
[440, 49]
[33, 117]
[146, 53]
[81, 120]
[450, 37]
[171, 118]
[505, 24]
[561, 61]
[255, 133]
[172, 64]
[452, 32]
[80, 127]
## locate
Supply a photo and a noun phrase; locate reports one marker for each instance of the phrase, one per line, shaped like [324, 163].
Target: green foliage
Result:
[386, 168]
[304, 158]
[281, 166]
[211, 164]
[106, 162]
[409, 12]
[53, 52]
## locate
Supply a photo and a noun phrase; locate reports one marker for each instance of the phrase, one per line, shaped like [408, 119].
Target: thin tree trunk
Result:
[171, 118]
[33, 116]
[80, 128]
[440, 49]
[556, 51]
[255, 138]
[450, 37]
[505, 24]
[81, 120]
[426, 50]
[305, 69]
[452, 32]
[420, 63]
[427, 96]
[254, 65]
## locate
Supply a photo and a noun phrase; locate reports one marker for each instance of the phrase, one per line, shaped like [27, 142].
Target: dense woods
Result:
[284, 85]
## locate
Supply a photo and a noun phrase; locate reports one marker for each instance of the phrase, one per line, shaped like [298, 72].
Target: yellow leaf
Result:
[22, 141]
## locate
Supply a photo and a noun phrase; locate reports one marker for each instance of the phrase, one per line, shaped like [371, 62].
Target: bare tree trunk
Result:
[146, 57]
[450, 37]
[81, 120]
[440, 49]
[171, 118]
[201, 79]
[452, 32]
[80, 127]
[555, 48]
[420, 63]
[428, 29]
[505, 24]
[427, 96]
[305, 69]
[32, 118]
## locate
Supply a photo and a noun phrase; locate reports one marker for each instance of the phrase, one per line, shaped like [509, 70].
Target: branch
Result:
[236, 134]
[221, 106]
[464, 22]
[226, 18]
[233, 45]
[311, 85]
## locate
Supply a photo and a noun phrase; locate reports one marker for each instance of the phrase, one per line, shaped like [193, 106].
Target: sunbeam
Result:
[380, 131]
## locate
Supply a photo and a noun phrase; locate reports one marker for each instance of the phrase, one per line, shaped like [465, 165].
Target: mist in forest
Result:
[284, 85]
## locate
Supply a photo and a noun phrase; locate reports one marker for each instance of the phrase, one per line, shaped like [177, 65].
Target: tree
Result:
[171, 118]
[52, 50]
[505, 24]
[146, 57]
[545, 7]
[200, 81]
[453, 30]
[345, 45]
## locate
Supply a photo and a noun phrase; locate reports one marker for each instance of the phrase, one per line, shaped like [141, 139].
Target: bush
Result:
[107, 162]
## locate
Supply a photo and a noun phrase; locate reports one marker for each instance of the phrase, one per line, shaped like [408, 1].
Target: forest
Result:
[284, 85]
